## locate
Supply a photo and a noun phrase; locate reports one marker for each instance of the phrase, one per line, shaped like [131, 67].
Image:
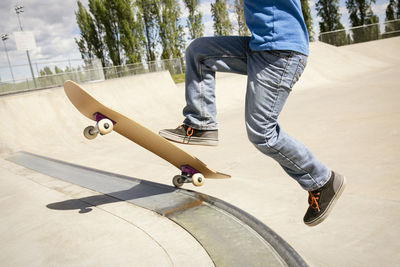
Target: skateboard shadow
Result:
[145, 196]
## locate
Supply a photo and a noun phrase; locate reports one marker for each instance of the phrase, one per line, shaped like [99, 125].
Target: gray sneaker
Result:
[187, 135]
[323, 199]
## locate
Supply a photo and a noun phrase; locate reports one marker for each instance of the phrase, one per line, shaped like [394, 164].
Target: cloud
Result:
[53, 24]
[380, 9]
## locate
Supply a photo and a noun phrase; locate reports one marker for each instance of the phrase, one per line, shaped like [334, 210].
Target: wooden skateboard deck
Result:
[193, 170]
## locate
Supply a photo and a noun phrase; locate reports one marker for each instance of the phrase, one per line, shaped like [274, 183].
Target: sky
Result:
[54, 27]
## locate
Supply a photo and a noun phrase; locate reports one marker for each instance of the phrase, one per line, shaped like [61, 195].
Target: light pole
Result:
[4, 37]
[18, 10]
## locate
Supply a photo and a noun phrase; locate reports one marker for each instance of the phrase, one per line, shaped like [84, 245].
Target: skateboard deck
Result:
[107, 120]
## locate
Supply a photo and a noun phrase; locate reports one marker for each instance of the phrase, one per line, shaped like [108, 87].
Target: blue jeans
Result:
[271, 76]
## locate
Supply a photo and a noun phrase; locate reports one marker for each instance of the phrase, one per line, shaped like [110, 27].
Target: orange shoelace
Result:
[313, 200]
[189, 130]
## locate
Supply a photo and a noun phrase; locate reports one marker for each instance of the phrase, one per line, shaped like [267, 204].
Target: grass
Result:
[178, 78]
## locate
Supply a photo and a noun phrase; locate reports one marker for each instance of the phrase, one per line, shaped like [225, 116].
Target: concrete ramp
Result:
[330, 64]
[45, 118]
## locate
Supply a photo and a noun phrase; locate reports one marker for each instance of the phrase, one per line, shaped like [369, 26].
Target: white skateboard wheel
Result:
[105, 126]
[90, 132]
[198, 179]
[178, 181]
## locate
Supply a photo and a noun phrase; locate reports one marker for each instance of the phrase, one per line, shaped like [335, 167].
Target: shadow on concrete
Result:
[85, 204]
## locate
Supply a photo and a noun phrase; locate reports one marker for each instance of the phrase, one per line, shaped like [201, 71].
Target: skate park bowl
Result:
[71, 201]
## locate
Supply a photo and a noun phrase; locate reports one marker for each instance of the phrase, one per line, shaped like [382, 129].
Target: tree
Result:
[171, 33]
[90, 43]
[130, 31]
[148, 10]
[328, 11]
[57, 70]
[392, 28]
[105, 13]
[46, 71]
[194, 25]
[398, 10]
[110, 32]
[222, 24]
[361, 14]
[390, 10]
[239, 11]
[307, 18]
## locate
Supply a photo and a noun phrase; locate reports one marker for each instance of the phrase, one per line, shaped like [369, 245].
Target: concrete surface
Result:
[212, 222]
[345, 109]
[116, 234]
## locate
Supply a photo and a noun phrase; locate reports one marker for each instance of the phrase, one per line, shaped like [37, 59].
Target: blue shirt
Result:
[276, 25]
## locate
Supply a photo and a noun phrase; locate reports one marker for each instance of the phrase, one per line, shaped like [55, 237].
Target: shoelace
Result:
[313, 200]
[189, 130]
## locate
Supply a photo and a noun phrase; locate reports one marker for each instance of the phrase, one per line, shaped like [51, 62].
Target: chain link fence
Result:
[53, 74]
[361, 34]
[81, 72]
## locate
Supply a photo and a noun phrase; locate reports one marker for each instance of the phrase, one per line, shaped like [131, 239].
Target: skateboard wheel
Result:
[198, 179]
[90, 132]
[105, 126]
[178, 181]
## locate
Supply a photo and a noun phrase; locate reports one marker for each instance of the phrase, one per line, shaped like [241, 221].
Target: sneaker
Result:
[323, 199]
[187, 135]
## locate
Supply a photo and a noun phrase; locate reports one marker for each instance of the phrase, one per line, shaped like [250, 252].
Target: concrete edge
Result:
[287, 252]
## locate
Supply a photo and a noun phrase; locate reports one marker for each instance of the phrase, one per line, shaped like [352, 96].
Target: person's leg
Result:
[271, 76]
[205, 56]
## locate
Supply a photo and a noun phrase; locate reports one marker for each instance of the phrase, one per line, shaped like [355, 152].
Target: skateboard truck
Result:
[103, 126]
[189, 175]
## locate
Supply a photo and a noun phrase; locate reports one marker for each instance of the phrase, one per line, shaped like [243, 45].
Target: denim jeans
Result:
[271, 76]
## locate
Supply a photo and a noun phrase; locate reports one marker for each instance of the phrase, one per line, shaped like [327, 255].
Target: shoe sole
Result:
[188, 140]
[325, 214]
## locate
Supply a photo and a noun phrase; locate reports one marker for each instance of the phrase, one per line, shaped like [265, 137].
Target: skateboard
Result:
[107, 120]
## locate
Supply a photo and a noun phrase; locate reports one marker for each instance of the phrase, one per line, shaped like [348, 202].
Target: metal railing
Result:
[361, 34]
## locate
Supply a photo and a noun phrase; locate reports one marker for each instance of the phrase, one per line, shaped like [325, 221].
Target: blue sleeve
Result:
[276, 25]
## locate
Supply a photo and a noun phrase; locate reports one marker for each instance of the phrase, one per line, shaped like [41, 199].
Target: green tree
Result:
[148, 14]
[307, 18]
[46, 78]
[361, 14]
[106, 15]
[171, 33]
[398, 10]
[194, 25]
[222, 24]
[110, 31]
[328, 11]
[57, 70]
[130, 31]
[46, 71]
[392, 28]
[239, 11]
[390, 13]
[90, 43]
